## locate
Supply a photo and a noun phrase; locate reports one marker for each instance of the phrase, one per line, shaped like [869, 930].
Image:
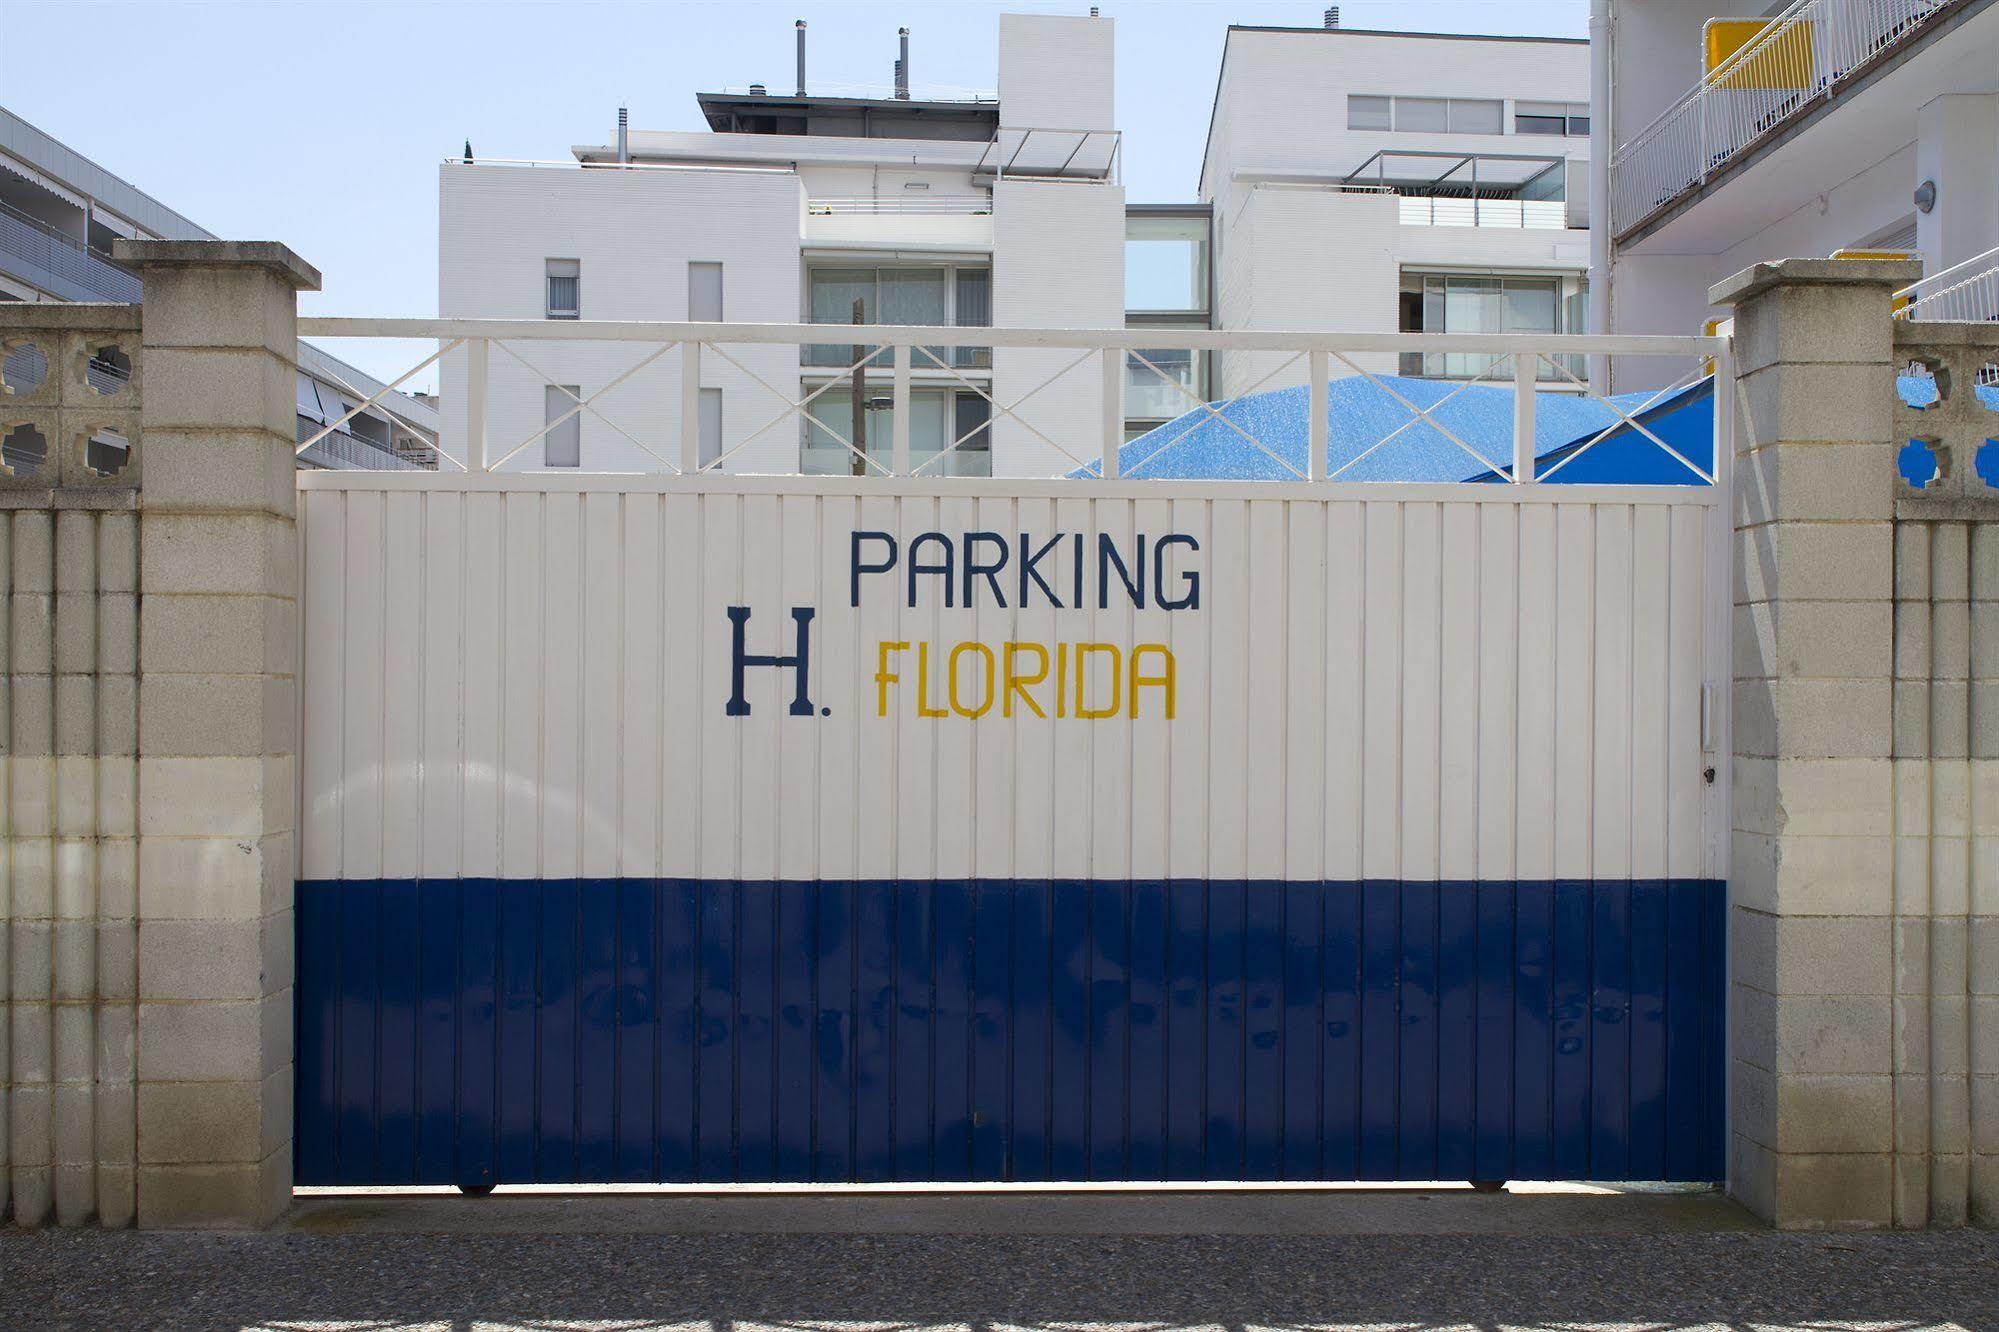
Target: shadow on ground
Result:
[1039, 1263]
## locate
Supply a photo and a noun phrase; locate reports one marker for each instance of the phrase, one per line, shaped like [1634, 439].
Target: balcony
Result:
[1446, 189]
[946, 221]
[1792, 66]
[59, 264]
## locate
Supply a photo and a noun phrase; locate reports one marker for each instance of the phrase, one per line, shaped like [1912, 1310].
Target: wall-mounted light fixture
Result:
[1926, 196]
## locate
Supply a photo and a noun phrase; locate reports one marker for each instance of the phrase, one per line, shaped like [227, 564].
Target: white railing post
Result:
[1316, 369]
[899, 456]
[1525, 366]
[690, 407]
[1112, 428]
[475, 404]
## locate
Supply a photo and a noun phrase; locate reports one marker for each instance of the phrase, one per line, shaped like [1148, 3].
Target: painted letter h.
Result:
[799, 661]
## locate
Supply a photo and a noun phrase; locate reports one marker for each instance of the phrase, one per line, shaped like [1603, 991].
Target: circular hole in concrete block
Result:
[1921, 386]
[1986, 386]
[1919, 463]
[106, 451]
[24, 367]
[23, 449]
[1986, 463]
[108, 370]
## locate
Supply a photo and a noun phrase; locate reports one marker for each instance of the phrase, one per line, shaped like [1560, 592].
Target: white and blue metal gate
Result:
[721, 828]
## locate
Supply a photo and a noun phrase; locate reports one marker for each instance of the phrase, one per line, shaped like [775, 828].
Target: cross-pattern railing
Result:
[1799, 58]
[1057, 395]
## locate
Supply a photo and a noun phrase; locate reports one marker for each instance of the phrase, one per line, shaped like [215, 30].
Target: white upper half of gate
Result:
[532, 678]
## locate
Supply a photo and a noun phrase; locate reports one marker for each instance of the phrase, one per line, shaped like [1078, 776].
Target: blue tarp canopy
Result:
[1360, 413]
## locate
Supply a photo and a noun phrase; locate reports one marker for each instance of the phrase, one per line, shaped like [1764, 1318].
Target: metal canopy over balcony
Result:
[1050, 154]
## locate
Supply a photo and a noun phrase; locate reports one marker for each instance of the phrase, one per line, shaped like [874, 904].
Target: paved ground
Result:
[1491, 1263]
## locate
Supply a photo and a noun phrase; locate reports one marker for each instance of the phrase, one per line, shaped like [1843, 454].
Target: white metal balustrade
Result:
[1436, 211]
[906, 359]
[1964, 291]
[1801, 57]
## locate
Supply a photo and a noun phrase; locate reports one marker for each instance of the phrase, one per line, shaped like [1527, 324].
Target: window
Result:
[704, 293]
[938, 294]
[1427, 115]
[562, 446]
[1166, 264]
[1368, 113]
[711, 425]
[1569, 118]
[938, 417]
[1422, 114]
[1466, 303]
[565, 282]
[1147, 396]
[1475, 117]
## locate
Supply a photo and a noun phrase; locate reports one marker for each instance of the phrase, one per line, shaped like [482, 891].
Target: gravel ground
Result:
[87, 1280]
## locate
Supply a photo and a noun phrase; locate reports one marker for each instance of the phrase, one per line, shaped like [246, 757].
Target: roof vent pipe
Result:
[624, 140]
[800, 25]
[902, 67]
[1333, 17]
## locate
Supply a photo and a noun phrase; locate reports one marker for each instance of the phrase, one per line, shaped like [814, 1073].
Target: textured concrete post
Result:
[1829, 1114]
[217, 747]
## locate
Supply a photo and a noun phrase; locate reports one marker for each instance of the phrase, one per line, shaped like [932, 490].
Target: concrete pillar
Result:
[1811, 883]
[217, 733]
[1853, 666]
[1957, 148]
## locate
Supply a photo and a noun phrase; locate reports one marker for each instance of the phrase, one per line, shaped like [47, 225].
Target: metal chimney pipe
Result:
[624, 140]
[800, 25]
[1333, 17]
[902, 67]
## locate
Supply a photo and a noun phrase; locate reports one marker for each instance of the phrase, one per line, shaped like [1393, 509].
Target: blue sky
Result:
[321, 124]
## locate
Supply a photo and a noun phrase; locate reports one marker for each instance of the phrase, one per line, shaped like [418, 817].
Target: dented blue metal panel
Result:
[477, 1031]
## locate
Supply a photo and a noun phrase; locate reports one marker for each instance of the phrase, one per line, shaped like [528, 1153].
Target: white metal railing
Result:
[889, 358]
[1964, 291]
[1422, 210]
[920, 92]
[1800, 57]
[908, 206]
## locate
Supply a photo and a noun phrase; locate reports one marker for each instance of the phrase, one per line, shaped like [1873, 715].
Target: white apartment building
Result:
[1746, 133]
[1380, 181]
[972, 210]
[60, 213]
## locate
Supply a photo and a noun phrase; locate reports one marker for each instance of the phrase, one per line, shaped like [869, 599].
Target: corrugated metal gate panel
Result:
[1404, 710]
[473, 1031]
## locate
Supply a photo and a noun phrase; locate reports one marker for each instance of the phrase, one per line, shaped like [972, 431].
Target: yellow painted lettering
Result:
[985, 703]
[1163, 679]
[923, 708]
[1016, 683]
[1084, 651]
[884, 677]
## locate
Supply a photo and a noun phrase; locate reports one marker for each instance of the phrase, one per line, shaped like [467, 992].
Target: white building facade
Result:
[1822, 126]
[1386, 181]
[1001, 211]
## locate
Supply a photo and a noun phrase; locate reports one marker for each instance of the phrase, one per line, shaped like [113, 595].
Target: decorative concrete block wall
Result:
[69, 543]
[147, 554]
[1864, 958]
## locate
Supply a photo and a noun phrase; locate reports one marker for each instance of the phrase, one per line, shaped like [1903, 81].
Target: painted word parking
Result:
[1065, 679]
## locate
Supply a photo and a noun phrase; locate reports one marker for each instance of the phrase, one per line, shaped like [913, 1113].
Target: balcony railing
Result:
[1966, 291]
[1800, 58]
[915, 206]
[1435, 211]
[65, 259]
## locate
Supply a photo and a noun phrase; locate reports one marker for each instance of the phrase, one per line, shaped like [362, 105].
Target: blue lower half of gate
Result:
[584, 1031]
